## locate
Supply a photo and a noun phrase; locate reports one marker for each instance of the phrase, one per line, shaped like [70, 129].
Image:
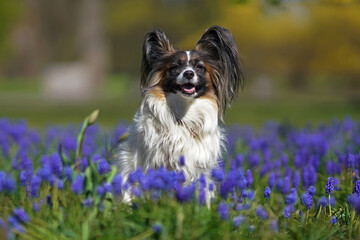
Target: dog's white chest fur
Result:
[165, 129]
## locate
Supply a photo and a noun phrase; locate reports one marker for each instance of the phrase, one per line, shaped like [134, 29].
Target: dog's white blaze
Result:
[188, 57]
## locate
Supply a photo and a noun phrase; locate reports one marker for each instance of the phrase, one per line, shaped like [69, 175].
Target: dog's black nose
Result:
[189, 74]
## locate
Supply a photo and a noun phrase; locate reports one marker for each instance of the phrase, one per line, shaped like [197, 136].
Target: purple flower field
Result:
[275, 181]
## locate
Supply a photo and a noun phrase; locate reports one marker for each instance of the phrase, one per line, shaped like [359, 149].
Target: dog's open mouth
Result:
[188, 88]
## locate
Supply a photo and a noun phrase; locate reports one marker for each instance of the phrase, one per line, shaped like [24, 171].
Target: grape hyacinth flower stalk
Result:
[329, 190]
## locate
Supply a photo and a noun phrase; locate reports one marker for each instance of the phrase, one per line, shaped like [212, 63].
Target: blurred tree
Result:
[10, 11]
[127, 21]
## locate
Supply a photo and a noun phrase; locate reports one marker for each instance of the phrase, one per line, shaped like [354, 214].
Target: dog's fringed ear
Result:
[219, 45]
[155, 46]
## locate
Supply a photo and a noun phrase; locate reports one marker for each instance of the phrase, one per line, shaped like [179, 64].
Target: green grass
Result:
[120, 98]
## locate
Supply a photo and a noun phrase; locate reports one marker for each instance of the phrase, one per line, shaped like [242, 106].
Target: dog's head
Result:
[212, 70]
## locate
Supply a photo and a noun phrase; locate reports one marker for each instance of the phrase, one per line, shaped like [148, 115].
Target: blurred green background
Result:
[60, 59]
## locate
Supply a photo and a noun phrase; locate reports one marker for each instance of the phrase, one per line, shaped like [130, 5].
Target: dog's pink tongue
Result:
[188, 90]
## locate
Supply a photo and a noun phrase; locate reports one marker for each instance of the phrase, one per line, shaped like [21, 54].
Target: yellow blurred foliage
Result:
[295, 39]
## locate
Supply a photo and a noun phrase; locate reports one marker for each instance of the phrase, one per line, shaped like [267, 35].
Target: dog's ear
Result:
[219, 46]
[156, 45]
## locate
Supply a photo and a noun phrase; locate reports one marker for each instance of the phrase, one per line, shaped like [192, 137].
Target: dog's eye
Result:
[174, 67]
[200, 66]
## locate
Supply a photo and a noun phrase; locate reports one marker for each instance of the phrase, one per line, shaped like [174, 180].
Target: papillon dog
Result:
[184, 97]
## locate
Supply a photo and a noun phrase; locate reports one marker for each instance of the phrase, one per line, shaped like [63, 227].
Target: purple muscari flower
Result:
[21, 215]
[202, 196]
[288, 210]
[336, 184]
[287, 185]
[350, 161]
[78, 185]
[330, 185]
[296, 179]
[354, 201]
[291, 197]
[323, 201]
[52, 180]
[223, 211]
[56, 164]
[83, 164]
[332, 201]
[181, 178]
[35, 185]
[311, 191]
[157, 228]
[182, 160]
[333, 220]
[280, 185]
[333, 168]
[267, 193]
[249, 178]
[272, 179]
[136, 191]
[7, 182]
[45, 172]
[87, 202]
[68, 173]
[103, 189]
[254, 160]
[116, 184]
[135, 176]
[265, 169]
[36, 207]
[103, 166]
[356, 189]
[307, 199]
[244, 194]
[211, 187]
[238, 220]
[217, 174]
[15, 224]
[185, 193]
[261, 213]
[274, 226]
[239, 160]
[60, 184]
[309, 175]
[23, 178]
[284, 159]
[202, 180]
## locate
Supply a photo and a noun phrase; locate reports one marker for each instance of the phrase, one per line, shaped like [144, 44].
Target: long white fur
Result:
[165, 129]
